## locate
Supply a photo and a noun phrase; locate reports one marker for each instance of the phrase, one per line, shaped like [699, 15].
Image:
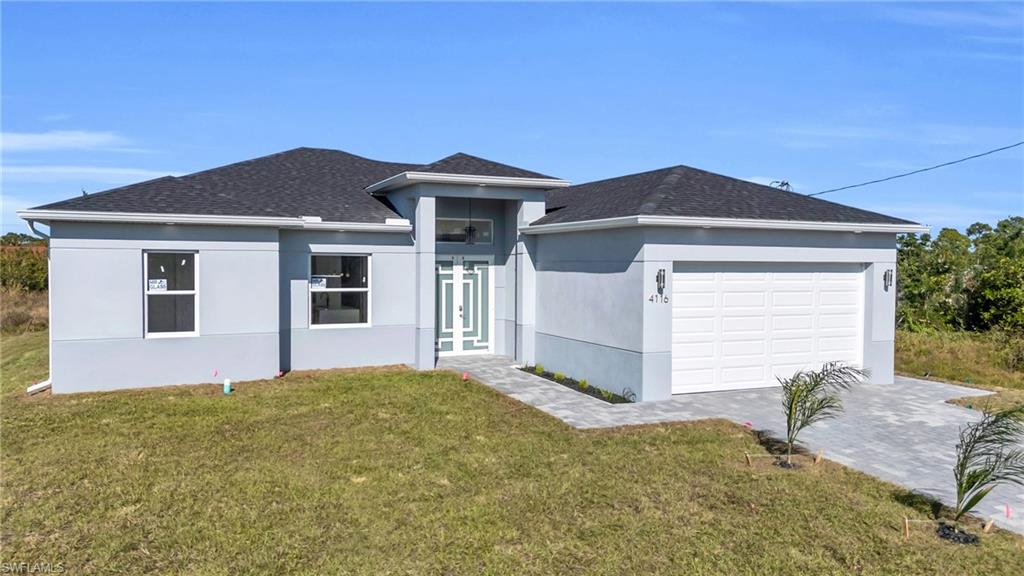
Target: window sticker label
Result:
[157, 284]
[318, 282]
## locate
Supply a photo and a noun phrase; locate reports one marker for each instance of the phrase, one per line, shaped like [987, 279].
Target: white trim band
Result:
[306, 222]
[408, 178]
[691, 222]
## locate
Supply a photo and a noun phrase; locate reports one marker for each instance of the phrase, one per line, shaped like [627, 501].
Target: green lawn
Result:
[962, 357]
[397, 472]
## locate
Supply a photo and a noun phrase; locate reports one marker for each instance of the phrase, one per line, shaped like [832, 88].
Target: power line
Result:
[944, 164]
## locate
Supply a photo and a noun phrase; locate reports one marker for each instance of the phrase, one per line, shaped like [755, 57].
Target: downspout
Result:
[45, 384]
[32, 227]
[515, 319]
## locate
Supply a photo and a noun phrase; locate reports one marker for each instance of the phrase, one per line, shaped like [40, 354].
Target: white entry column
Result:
[424, 225]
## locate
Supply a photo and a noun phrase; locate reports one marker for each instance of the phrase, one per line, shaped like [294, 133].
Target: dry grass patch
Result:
[23, 310]
[988, 361]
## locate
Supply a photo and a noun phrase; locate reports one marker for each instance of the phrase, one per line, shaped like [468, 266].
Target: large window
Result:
[458, 229]
[171, 294]
[339, 290]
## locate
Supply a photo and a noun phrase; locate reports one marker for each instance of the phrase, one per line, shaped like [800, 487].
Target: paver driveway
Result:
[903, 432]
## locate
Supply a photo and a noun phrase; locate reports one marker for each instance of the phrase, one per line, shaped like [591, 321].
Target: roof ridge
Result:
[664, 168]
[653, 199]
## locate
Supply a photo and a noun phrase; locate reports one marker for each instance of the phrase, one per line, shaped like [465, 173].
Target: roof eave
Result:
[307, 222]
[743, 223]
[408, 178]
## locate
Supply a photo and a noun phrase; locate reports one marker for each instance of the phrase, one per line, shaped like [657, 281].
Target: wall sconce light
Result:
[887, 279]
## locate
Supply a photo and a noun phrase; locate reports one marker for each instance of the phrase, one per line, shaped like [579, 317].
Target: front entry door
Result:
[465, 305]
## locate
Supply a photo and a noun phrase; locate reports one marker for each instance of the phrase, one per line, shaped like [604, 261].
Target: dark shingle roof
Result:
[685, 191]
[300, 182]
[465, 164]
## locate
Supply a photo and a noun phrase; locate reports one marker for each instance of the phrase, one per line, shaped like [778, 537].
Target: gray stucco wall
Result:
[391, 336]
[97, 289]
[595, 320]
[589, 319]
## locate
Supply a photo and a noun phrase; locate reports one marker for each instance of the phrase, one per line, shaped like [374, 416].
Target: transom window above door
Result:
[339, 290]
[458, 230]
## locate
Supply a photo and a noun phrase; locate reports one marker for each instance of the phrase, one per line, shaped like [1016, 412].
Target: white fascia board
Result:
[151, 218]
[689, 222]
[408, 178]
[360, 226]
[305, 222]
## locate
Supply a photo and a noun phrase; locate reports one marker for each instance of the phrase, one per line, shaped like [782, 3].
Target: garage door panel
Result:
[836, 343]
[698, 377]
[787, 298]
[696, 325]
[743, 299]
[843, 298]
[792, 321]
[744, 375]
[695, 350]
[787, 370]
[745, 324]
[791, 346]
[742, 324]
[844, 320]
[691, 300]
[744, 348]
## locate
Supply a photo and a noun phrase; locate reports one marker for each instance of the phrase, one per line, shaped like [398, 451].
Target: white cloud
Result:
[1000, 17]
[62, 140]
[92, 174]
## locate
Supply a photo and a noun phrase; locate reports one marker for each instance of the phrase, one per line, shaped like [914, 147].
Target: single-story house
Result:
[665, 282]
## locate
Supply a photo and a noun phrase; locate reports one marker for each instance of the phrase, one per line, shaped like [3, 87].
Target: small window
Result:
[339, 290]
[171, 294]
[458, 229]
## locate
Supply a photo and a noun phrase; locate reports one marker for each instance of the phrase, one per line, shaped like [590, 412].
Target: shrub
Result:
[23, 267]
[559, 377]
[538, 369]
[584, 384]
[1010, 345]
[607, 395]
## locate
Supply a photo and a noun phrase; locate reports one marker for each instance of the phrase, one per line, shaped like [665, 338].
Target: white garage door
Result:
[739, 325]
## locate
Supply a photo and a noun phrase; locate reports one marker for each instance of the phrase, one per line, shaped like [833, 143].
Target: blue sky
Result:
[821, 95]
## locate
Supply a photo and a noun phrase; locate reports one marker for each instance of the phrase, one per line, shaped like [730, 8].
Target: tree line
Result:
[956, 281]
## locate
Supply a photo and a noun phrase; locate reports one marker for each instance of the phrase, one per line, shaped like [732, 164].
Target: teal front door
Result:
[465, 305]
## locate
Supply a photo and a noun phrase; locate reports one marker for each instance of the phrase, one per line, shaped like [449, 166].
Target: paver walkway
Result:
[903, 432]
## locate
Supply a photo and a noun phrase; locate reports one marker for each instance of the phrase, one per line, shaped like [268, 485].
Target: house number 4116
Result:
[658, 299]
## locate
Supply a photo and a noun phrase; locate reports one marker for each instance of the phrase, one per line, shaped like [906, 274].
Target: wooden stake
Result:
[906, 529]
[747, 455]
[988, 526]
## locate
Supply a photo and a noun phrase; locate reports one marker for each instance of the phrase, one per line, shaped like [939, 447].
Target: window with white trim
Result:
[171, 292]
[339, 290]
